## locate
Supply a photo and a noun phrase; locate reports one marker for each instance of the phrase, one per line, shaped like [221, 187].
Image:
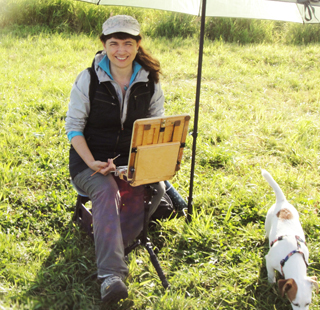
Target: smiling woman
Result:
[99, 123]
[121, 54]
[121, 48]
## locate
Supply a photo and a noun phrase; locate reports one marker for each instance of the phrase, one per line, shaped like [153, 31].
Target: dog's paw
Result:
[271, 280]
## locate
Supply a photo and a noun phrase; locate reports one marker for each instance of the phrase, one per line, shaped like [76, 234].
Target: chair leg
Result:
[131, 247]
[75, 217]
[83, 216]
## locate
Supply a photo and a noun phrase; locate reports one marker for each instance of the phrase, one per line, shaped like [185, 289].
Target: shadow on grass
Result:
[265, 295]
[67, 278]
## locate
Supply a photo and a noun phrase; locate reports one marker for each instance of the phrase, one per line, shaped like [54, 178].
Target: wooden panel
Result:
[178, 129]
[153, 132]
[167, 137]
[155, 163]
[183, 140]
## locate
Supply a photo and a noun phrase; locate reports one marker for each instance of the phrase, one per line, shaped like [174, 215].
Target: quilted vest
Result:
[105, 136]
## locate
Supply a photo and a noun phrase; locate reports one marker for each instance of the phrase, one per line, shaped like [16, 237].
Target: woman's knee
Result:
[161, 189]
[104, 187]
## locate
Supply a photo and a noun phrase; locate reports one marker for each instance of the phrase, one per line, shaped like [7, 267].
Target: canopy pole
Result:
[196, 112]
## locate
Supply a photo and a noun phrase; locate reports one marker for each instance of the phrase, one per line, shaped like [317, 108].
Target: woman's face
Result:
[121, 53]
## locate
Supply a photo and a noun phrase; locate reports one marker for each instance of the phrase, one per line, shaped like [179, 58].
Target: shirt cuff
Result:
[72, 134]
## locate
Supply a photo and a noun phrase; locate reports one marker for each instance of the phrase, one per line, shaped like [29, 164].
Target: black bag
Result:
[165, 209]
[171, 202]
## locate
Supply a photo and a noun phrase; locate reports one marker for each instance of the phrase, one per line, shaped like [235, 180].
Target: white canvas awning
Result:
[283, 10]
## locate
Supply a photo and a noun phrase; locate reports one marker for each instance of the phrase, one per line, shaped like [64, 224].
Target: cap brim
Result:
[124, 30]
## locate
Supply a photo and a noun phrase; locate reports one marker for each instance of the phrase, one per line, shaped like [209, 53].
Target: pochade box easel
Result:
[156, 151]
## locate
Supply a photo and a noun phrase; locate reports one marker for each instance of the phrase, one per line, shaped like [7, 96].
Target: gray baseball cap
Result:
[121, 23]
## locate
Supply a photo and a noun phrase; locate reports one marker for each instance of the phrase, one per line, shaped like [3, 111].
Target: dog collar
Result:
[283, 261]
[282, 237]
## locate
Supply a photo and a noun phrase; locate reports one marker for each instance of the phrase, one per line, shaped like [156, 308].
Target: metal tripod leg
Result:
[156, 264]
[149, 193]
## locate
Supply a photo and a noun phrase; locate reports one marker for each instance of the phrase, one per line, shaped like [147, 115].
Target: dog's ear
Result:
[289, 287]
[314, 283]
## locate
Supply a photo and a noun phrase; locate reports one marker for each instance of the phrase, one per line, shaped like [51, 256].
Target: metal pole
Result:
[196, 112]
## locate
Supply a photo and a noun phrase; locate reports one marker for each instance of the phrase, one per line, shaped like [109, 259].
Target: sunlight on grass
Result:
[259, 108]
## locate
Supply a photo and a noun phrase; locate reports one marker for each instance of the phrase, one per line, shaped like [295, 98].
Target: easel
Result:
[156, 151]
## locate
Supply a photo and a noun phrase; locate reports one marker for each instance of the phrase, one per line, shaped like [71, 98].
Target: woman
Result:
[122, 86]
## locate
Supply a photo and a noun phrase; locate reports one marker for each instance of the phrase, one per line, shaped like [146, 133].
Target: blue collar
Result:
[104, 64]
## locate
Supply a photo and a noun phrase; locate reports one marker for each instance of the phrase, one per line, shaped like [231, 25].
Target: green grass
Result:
[259, 109]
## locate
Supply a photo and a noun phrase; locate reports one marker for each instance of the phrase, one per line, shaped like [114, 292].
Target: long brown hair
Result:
[145, 59]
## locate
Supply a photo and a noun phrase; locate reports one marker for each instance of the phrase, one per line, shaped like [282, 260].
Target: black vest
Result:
[105, 136]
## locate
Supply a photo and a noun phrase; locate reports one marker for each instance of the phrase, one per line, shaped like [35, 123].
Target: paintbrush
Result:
[101, 168]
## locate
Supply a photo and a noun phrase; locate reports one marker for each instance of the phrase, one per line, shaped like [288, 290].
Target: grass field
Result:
[260, 108]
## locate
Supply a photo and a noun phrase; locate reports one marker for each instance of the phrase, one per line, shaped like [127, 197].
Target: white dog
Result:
[288, 251]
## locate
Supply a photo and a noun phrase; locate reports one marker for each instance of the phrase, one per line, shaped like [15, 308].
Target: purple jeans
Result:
[117, 218]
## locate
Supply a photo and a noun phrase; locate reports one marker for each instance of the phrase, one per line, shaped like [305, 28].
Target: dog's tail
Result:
[279, 194]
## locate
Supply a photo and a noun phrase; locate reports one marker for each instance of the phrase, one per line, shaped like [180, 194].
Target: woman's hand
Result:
[103, 167]
[80, 145]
